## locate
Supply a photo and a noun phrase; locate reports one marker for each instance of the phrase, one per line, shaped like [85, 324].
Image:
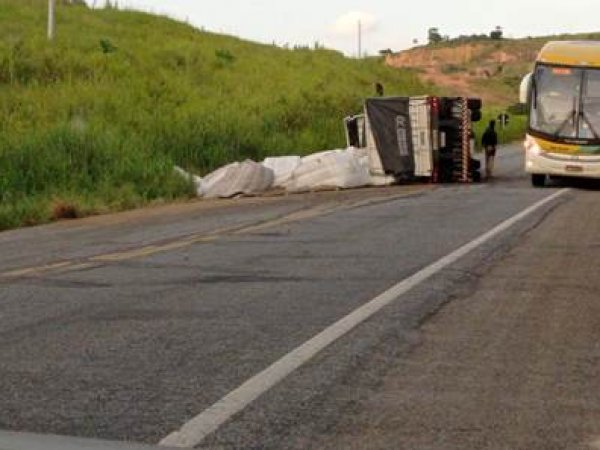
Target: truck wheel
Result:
[538, 180]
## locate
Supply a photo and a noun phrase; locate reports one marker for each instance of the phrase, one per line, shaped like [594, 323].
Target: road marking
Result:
[151, 250]
[187, 241]
[196, 430]
[297, 216]
[35, 270]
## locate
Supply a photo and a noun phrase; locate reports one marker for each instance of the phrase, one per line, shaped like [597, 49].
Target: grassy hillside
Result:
[95, 120]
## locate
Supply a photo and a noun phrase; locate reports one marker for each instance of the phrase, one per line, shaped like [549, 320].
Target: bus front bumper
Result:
[537, 162]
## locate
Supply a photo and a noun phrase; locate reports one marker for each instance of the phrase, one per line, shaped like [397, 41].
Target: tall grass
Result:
[97, 118]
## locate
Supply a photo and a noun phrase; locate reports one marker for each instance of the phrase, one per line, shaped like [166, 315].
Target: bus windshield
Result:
[566, 103]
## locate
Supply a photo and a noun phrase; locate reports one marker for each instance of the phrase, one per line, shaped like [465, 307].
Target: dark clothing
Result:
[489, 141]
[490, 150]
[490, 138]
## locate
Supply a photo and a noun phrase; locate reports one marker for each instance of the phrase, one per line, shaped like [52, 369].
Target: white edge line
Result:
[198, 428]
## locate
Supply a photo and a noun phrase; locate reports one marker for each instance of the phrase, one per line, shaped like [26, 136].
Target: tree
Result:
[434, 36]
[497, 34]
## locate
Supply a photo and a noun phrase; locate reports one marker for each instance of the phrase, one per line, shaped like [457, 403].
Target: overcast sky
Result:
[388, 23]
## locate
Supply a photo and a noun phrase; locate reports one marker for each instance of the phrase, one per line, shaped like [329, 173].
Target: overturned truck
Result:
[412, 138]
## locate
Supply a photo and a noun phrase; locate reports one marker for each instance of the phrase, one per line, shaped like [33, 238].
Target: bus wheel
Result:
[538, 180]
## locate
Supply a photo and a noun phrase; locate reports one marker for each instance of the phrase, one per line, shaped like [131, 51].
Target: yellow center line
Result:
[81, 266]
[188, 241]
[290, 218]
[126, 255]
[35, 270]
[150, 250]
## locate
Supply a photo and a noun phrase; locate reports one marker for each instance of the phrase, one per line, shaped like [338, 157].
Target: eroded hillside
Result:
[485, 68]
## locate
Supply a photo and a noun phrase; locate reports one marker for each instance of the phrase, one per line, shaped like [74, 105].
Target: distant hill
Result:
[491, 69]
[95, 120]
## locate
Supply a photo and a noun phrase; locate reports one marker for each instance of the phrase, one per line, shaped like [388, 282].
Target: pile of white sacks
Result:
[333, 169]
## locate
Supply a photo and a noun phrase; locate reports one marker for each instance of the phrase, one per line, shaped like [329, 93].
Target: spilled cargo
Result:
[394, 140]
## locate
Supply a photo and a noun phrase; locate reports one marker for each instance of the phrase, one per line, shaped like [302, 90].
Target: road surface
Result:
[486, 334]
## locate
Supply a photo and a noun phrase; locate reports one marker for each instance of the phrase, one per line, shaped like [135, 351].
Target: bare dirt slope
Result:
[489, 69]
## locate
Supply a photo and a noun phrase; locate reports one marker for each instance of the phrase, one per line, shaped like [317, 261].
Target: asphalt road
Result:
[125, 327]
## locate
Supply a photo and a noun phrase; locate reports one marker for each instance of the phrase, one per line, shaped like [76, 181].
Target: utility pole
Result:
[51, 19]
[359, 39]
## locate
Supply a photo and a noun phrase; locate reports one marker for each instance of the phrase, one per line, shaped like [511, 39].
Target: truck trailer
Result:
[423, 138]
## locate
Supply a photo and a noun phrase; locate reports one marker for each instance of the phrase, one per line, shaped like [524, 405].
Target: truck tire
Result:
[475, 164]
[538, 180]
[474, 104]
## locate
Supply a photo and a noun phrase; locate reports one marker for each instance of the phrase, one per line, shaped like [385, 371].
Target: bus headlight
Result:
[532, 146]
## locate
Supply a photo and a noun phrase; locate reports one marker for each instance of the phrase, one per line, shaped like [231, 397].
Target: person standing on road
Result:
[489, 141]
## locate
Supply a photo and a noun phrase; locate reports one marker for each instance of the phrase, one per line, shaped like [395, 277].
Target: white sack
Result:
[382, 180]
[247, 178]
[330, 169]
[362, 155]
[193, 178]
[283, 168]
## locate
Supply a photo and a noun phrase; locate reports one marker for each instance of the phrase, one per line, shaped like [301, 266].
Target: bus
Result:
[563, 99]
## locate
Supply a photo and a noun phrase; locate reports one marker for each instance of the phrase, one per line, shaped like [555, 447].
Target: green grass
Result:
[95, 120]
